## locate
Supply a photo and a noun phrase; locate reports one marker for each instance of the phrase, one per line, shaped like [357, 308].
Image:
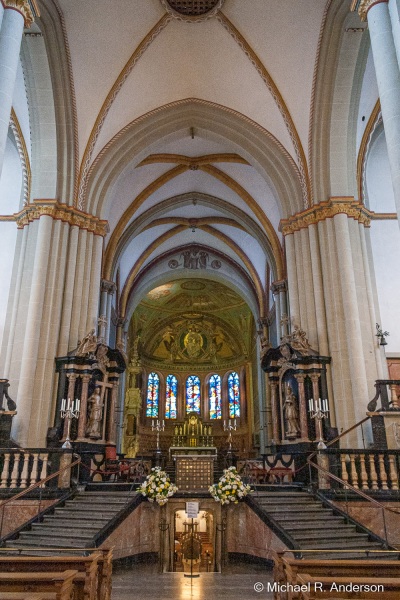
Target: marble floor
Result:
[239, 582]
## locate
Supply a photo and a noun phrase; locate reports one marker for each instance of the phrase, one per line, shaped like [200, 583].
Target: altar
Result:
[194, 453]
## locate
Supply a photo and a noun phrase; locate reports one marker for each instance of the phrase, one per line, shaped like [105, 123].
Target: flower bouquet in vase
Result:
[157, 487]
[230, 487]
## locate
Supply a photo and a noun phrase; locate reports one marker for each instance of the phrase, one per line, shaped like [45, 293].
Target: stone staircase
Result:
[314, 527]
[77, 523]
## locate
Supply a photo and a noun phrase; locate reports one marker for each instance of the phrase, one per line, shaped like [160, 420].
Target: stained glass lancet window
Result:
[153, 392]
[171, 391]
[214, 397]
[193, 394]
[234, 395]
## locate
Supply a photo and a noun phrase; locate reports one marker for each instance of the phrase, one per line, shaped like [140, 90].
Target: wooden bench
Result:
[287, 570]
[93, 581]
[60, 583]
[343, 588]
[28, 596]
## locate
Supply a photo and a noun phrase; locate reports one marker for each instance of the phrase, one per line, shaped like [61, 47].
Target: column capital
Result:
[278, 286]
[27, 8]
[61, 212]
[363, 6]
[326, 210]
[108, 286]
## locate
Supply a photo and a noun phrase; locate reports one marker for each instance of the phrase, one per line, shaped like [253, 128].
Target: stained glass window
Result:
[193, 394]
[234, 395]
[214, 397]
[153, 391]
[171, 390]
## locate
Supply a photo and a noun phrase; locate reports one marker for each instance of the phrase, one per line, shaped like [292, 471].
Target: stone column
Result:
[111, 434]
[388, 79]
[1, 13]
[275, 412]
[14, 17]
[279, 290]
[294, 301]
[83, 408]
[303, 408]
[31, 340]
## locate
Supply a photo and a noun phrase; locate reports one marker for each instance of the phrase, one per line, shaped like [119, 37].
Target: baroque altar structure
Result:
[296, 374]
[91, 374]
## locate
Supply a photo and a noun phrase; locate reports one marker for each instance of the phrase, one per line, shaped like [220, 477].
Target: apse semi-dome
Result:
[193, 10]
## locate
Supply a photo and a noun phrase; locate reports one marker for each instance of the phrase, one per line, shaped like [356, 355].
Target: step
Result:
[362, 544]
[292, 520]
[340, 535]
[56, 524]
[67, 512]
[325, 526]
[296, 506]
[54, 529]
[54, 543]
[39, 535]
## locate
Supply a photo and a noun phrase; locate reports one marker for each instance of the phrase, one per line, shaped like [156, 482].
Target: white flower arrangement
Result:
[157, 487]
[230, 487]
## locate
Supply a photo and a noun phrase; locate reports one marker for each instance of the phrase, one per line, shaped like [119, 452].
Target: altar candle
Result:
[319, 403]
[68, 403]
[77, 404]
[63, 404]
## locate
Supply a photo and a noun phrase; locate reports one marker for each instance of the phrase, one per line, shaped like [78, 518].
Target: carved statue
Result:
[93, 427]
[265, 345]
[88, 345]
[291, 413]
[299, 340]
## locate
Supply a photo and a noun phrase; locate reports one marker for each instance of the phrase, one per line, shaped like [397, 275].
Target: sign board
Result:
[192, 510]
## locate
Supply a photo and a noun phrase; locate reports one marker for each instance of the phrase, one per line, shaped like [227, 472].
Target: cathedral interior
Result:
[199, 225]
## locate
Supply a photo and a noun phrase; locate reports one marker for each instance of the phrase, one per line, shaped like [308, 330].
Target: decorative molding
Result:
[313, 95]
[326, 210]
[197, 12]
[108, 286]
[23, 155]
[374, 120]
[363, 6]
[101, 117]
[279, 101]
[193, 161]
[73, 95]
[24, 7]
[60, 212]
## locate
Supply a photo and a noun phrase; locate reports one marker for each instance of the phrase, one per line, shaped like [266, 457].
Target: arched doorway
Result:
[194, 539]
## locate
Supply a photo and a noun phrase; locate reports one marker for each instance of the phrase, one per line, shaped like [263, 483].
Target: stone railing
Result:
[22, 468]
[367, 470]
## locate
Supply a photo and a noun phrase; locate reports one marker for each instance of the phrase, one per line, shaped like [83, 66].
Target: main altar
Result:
[193, 453]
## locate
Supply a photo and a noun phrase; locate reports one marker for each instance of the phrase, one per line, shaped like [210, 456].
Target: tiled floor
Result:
[143, 582]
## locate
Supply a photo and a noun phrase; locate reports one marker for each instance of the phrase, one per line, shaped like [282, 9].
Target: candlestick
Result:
[69, 410]
[318, 411]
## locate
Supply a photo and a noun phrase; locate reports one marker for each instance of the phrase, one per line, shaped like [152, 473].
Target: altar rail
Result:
[21, 468]
[368, 470]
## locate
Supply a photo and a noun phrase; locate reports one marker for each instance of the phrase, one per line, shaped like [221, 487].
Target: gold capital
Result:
[363, 6]
[60, 212]
[23, 7]
[326, 210]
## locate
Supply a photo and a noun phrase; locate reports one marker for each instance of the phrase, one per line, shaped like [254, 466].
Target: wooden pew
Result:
[27, 596]
[384, 588]
[60, 583]
[287, 570]
[93, 581]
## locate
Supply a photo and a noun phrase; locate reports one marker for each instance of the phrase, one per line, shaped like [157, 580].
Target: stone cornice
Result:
[363, 6]
[60, 212]
[24, 7]
[326, 210]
